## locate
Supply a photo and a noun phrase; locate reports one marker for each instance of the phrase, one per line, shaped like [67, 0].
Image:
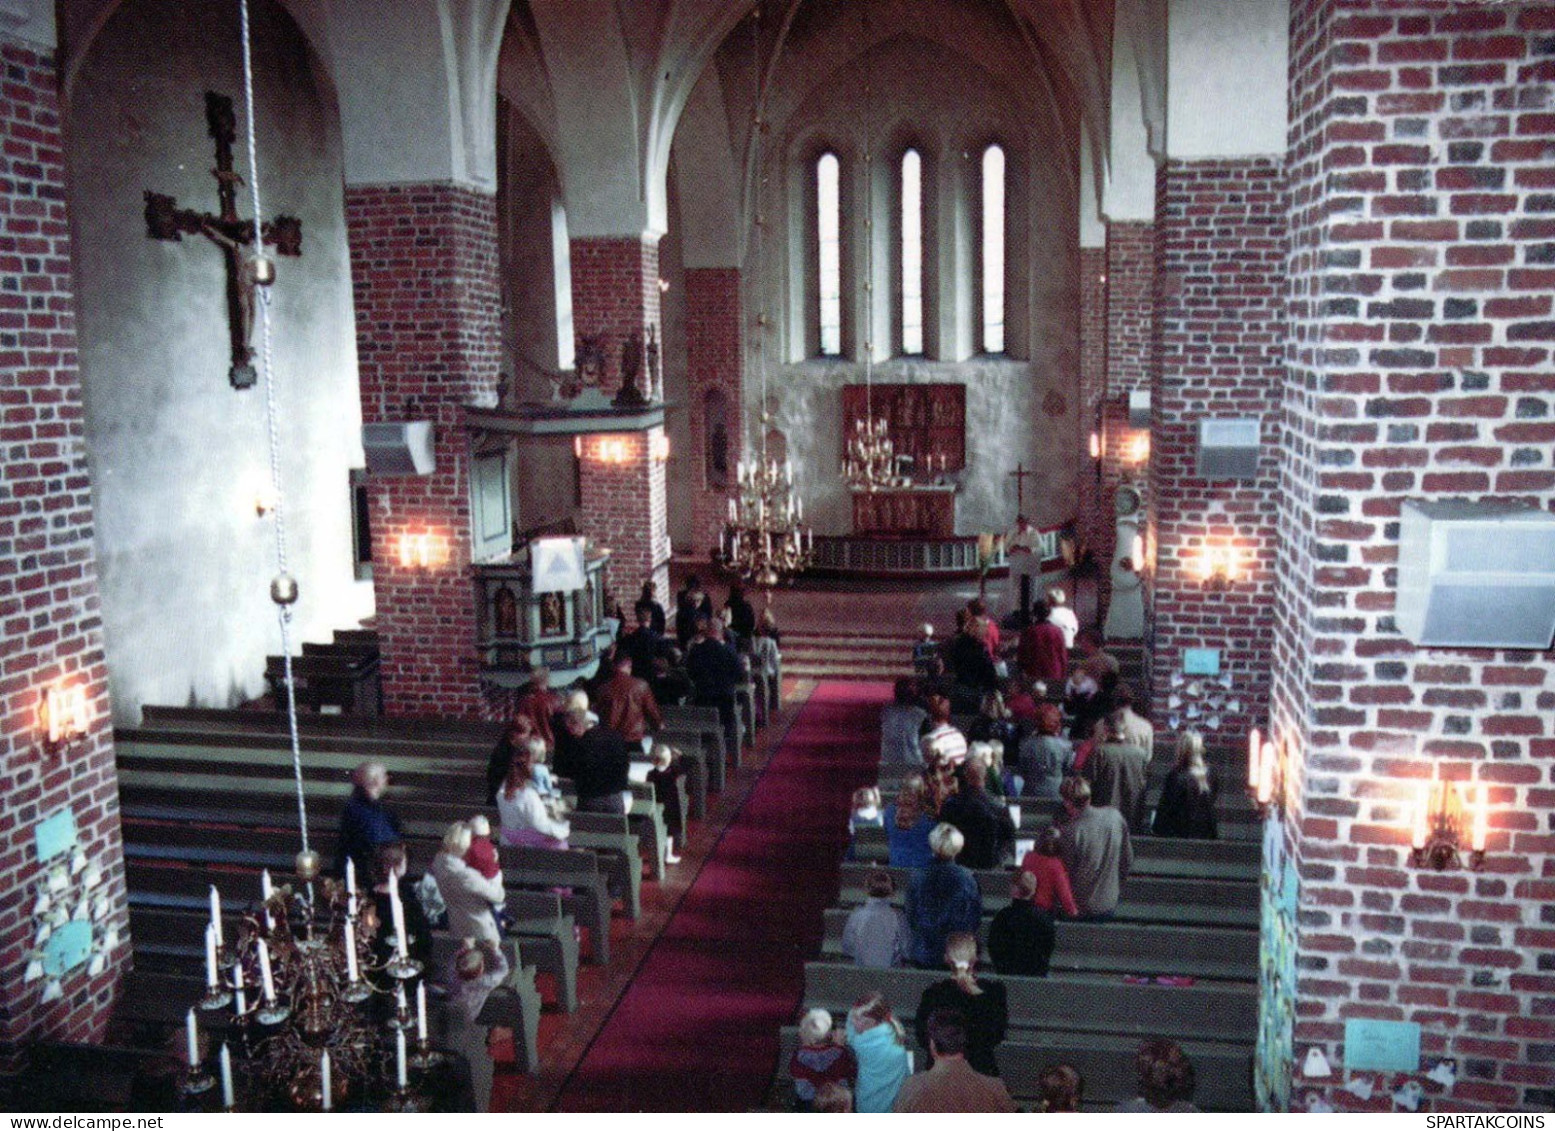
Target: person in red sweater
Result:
[1041, 652]
[1044, 863]
[539, 704]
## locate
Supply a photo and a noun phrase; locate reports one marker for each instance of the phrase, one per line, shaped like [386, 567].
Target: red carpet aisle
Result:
[698, 1029]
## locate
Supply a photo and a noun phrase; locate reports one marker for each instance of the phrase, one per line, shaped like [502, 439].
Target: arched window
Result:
[992, 246]
[829, 245]
[912, 252]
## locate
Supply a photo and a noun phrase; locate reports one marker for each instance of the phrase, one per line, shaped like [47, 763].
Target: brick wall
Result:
[424, 277]
[1423, 185]
[625, 508]
[1094, 513]
[49, 613]
[713, 359]
[1219, 332]
[615, 293]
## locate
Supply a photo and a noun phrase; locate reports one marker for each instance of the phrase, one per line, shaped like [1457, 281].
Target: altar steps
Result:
[813, 655]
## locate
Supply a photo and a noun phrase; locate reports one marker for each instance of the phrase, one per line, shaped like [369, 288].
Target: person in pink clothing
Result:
[1052, 877]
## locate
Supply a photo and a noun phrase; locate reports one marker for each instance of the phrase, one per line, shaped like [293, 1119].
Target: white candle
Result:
[351, 970]
[192, 1032]
[241, 1004]
[266, 889]
[216, 914]
[227, 1099]
[399, 1058]
[266, 980]
[326, 1080]
[210, 956]
[398, 911]
[1254, 748]
[350, 876]
[1481, 832]
[421, 1012]
[399, 1000]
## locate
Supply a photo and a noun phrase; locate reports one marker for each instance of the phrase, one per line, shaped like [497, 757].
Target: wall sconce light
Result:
[1218, 568]
[1096, 445]
[420, 551]
[62, 717]
[1263, 763]
[659, 447]
[1137, 451]
[1440, 818]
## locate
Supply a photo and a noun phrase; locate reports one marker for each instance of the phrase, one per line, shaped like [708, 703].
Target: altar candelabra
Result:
[871, 462]
[765, 538]
[299, 984]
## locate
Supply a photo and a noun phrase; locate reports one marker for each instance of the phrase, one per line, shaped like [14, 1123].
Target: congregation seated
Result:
[1046, 756]
[1044, 863]
[993, 723]
[366, 821]
[1021, 936]
[1188, 796]
[1096, 851]
[951, 1083]
[471, 897]
[880, 1053]
[942, 899]
[1166, 1079]
[1020, 700]
[876, 933]
[626, 704]
[901, 723]
[596, 759]
[822, 1058]
[529, 816]
[984, 824]
[1119, 773]
[908, 824]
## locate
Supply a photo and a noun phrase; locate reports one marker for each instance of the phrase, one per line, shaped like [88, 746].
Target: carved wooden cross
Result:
[166, 221]
[1020, 473]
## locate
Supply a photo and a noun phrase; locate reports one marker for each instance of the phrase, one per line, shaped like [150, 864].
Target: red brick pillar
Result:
[49, 616]
[424, 276]
[615, 294]
[713, 362]
[1422, 329]
[1220, 252]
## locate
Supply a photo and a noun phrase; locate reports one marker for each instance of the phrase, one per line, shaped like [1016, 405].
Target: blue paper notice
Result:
[55, 835]
[67, 948]
[1381, 1046]
[1201, 661]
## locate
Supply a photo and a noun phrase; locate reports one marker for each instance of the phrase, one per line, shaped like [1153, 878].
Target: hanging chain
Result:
[869, 228]
[272, 428]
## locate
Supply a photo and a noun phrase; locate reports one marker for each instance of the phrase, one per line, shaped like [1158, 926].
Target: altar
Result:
[910, 511]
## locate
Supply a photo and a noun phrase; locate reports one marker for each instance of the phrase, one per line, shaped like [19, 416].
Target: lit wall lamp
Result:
[1137, 451]
[1263, 766]
[659, 447]
[1095, 450]
[1218, 568]
[62, 717]
[1441, 814]
[420, 551]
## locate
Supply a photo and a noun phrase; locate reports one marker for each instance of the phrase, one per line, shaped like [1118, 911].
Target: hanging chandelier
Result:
[764, 539]
[871, 460]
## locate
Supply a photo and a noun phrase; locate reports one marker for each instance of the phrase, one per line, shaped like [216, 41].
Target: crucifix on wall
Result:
[1019, 475]
[245, 269]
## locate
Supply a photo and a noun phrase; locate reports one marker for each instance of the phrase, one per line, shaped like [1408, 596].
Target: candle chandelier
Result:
[871, 460]
[303, 992]
[764, 539]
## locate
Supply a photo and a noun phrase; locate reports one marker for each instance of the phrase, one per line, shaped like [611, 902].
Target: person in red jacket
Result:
[1047, 867]
[1041, 653]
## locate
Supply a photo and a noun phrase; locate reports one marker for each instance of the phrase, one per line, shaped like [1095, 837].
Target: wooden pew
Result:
[514, 1005]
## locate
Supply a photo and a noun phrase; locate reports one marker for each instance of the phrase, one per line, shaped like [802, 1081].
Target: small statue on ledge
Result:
[629, 395]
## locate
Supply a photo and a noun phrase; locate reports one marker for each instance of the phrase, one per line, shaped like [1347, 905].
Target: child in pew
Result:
[876, 933]
[866, 814]
[879, 1045]
[820, 1059]
[1060, 1088]
[665, 777]
[1046, 868]
[482, 856]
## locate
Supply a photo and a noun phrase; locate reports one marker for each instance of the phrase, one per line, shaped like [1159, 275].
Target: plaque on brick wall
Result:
[926, 422]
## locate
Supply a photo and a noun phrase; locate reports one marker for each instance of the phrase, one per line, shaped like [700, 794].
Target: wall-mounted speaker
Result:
[1139, 408]
[399, 448]
[1476, 575]
[1228, 449]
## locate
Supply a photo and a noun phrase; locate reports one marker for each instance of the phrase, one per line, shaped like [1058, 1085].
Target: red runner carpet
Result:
[698, 1028]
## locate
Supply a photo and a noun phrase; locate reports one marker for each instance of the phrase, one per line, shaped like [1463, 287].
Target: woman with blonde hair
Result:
[1188, 796]
[942, 899]
[982, 1001]
[907, 825]
[879, 1045]
[822, 1058]
[468, 895]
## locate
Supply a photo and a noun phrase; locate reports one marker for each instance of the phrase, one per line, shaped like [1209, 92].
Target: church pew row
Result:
[1153, 856]
[1139, 906]
[171, 869]
[413, 778]
[1121, 948]
[147, 795]
[1062, 1003]
[1036, 814]
[1106, 1063]
[168, 930]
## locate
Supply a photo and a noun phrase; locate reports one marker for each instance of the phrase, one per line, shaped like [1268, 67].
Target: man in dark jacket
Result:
[716, 672]
[984, 823]
[643, 644]
[365, 822]
[596, 759]
[1021, 936]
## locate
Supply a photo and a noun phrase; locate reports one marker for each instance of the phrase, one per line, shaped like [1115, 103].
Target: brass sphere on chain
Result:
[308, 865]
[283, 589]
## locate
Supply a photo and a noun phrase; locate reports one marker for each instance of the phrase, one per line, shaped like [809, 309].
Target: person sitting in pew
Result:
[390, 865]
[519, 730]
[908, 824]
[672, 686]
[1188, 796]
[365, 821]
[643, 644]
[1166, 1079]
[1096, 851]
[984, 824]
[471, 898]
[879, 1045]
[1060, 1088]
[901, 723]
[876, 933]
[821, 1058]
[952, 1084]
[942, 900]
[1021, 936]
[528, 818]
[1045, 864]
[596, 759]
[475, 972]
[1046, 756]
[981, 1001]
